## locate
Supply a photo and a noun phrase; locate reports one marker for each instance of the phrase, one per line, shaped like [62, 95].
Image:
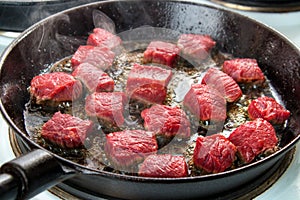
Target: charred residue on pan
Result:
[184, 74]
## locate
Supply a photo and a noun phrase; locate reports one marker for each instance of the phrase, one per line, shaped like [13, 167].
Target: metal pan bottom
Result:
[249, 191]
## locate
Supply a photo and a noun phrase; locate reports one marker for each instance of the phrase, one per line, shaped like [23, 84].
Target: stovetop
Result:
[287, 186]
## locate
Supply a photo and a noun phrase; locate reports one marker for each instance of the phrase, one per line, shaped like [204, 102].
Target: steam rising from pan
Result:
[101, 20]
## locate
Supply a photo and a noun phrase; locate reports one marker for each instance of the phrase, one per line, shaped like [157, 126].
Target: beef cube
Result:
[129, 147]
[205, 102]
[148, 84]
[161, 52]
[253, 138]
[94, 78]
[223, 83]
[99, 57]
[268, 109]
[214, 153]
[164, 166]
[56, 87]
[107, 106]
[103, 38]
[167, 121]
[243, 70]
[195, 47]
[66, 130]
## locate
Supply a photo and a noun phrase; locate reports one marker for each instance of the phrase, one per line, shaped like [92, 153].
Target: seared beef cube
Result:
[268, 109]
[205, 102]
[164, 166]
[161, 52]
[94, 78]
[214, 153]
[97, 56]
[253, 138]
[129, 147]
[103, 38]
[244, 70]
[223, 83]
[66, 130]
[148, 84]
[107, 106]
[56, 87]
[194, 47]
[167, 121]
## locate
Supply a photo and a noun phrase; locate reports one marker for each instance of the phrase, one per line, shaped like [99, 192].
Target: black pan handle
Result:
[30, 174]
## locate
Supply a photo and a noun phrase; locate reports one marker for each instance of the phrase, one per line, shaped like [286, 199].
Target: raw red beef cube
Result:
[166, 120]
[223, 83]
[129, 147]
[214, 153]
[164, 166]
[97, 56]
[94, 78]
[66, 130]
[205, 102]
[148, 84]
[56, 86]
[103, 38]
[195, 46]
[243, 70]
[253, 138]
[161, 52]
[268, 109]
[107, 106]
